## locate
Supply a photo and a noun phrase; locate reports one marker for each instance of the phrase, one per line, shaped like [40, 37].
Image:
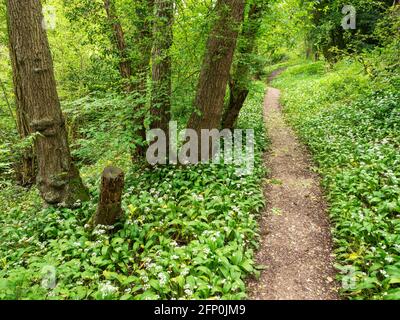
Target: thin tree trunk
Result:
[216, 66]
[3, 88]
[242, 75]
[144, 36]
[125, 67]
[161, 61]
[237, 97]
[58, 179]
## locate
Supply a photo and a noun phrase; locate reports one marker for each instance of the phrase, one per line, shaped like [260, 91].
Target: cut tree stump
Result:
[109, 208]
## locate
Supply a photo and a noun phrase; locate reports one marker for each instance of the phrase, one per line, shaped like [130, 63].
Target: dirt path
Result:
[296, 240]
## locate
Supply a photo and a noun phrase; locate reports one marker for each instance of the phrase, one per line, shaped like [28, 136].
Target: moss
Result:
[77, 191]
[81, 192]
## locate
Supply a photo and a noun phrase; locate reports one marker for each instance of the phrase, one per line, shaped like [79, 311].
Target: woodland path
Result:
[296, 246]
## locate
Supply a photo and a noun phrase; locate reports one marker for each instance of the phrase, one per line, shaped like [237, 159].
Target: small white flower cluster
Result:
[197, 197]
[237, 210]
[100, 229]
[150, 266]
[107, 289]
[62, 205]
[145, 278]
[154, 192]
[77, 204]
[146, 286]
[163, 279]
[42, 245]
[146, 262]
[185, 271]
[212, 235]
[389, 259]
[187, 289]
[174, 243]
[384, 273]
[158, 268]
[99, 232]
[128, 290]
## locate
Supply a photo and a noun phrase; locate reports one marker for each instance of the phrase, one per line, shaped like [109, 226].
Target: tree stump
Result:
[109, 208]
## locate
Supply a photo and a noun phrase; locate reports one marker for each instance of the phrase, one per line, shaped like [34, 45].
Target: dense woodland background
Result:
[116, 68]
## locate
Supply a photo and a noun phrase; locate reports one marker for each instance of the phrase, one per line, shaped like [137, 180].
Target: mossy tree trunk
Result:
[161, 64]
[144, 38]
[58, 179]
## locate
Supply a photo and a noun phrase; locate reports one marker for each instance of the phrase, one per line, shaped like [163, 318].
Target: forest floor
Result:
[296, 245]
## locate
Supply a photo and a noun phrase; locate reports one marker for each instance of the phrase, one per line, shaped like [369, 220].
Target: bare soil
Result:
[296, 245]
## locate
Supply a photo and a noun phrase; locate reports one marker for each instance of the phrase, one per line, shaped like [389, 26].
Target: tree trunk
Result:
[109, 209]
[161, 60]
[144, 37]
[242, 75]
[25, 168]
[58, 180]
[125, 67]
[216, 66]
[237, 97]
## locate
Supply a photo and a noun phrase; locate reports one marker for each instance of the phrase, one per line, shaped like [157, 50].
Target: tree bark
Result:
[25, 168]
[237, 97]
[125, 67]
[161, 60]
[216, 66]
[242, 75]
[58, 179]
[144, 37]
[109, 209]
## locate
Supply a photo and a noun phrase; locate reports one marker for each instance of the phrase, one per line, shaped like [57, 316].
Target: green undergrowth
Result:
[351, 123]
[187, 232]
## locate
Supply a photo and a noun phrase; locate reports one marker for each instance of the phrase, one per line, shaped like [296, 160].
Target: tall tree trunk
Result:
[144, 37]
[161, 64]
[242, 75]
[25, 166]
[125, 67]
[216, 66]
[58, 179]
